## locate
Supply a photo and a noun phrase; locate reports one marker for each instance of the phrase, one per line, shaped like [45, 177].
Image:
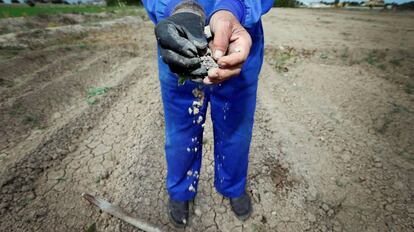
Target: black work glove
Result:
[182, 41]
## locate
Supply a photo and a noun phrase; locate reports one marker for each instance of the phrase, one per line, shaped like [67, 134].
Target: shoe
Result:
[178, 212]
[241, 206]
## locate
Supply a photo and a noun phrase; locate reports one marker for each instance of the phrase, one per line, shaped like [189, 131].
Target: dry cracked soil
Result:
[332, 149]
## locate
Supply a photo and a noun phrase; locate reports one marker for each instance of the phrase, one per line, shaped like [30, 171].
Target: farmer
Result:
[230, 89]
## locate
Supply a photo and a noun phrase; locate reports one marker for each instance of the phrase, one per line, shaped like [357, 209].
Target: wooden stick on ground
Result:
[119, 213]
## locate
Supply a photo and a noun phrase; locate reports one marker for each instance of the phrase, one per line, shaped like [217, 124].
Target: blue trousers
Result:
[232, 104]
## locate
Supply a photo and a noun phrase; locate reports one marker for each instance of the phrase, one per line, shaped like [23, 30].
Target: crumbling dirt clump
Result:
[208, 61]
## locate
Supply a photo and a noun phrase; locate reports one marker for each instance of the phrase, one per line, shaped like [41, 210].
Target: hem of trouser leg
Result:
[231, 195]
[186, 198]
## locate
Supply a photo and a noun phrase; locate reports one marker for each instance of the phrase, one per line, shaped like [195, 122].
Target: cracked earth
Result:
[332, 148]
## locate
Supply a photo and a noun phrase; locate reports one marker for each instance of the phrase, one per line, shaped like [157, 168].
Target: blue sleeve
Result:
[247, 11]
[160, 9]
[150, 7]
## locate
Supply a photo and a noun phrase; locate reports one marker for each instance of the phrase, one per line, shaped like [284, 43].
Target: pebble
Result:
[346, 157]
[377, 159]
[311, 217]
[56, 115]
[321, 212]
[312, 196]
[325, 207]
[398, 185]
[354, 169]
[378, 165]
[389, 208]
[197, 212]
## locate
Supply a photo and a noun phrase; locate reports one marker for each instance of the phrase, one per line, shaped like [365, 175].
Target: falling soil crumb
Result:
[208, 61]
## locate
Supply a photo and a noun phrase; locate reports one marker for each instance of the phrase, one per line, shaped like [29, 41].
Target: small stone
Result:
[197, 212]
[346, 157]
[285, 219]
[331, 212]
[389, 208]
[337, 149]
[378, 165]
[312, 196]
[325, 207]
[273, 213]
[105, 216]
[353, 168]
[377, 159]
[321, 212]
[398, 185]
[56, 115]
[311, 217]
[40, 213]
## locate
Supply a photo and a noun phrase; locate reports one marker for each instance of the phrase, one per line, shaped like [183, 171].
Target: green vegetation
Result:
[388, 118]
[323, 56]
[17, 109]
[406, 155]
[181, 80]
[409, 88]
[287, 3]
[3, 156]
[94, 92]
[396, 61]
[284, 58]
[123, 3]
[91, 228]
[30, 119]
[62, 179]
[22, 114]
[7, 11]
[396, 108]
[98, 179]
[374, 59]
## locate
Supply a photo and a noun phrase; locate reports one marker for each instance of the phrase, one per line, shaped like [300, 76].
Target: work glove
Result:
[182, 41]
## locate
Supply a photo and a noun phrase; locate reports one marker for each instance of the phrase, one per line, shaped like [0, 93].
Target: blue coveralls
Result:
[232, 103]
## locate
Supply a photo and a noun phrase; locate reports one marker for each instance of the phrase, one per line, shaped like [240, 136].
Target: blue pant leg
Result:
[183, 136]
[233, 116]
[233, 104]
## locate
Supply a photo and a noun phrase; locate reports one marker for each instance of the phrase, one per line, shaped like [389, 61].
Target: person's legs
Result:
[232, 106]
[185, 110]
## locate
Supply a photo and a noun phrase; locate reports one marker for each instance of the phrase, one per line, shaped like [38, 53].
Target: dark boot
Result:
[178, 212]
[241, 206]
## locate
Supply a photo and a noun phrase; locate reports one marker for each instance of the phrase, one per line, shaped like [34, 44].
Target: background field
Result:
[333, 142]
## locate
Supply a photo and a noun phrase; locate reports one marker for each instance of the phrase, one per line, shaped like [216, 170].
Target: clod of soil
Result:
[208, 61]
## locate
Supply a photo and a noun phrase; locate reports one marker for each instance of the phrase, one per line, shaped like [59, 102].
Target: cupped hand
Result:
[230, 46]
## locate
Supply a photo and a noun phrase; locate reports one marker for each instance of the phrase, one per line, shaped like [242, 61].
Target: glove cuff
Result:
[189, 6]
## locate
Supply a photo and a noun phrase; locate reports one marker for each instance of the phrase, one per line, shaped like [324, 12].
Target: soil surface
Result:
[332, 150]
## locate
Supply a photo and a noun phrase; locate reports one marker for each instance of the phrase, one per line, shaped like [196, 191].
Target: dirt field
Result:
[333, 146]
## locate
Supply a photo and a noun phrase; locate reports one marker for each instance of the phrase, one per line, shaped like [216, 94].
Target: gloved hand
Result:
[182, 41]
